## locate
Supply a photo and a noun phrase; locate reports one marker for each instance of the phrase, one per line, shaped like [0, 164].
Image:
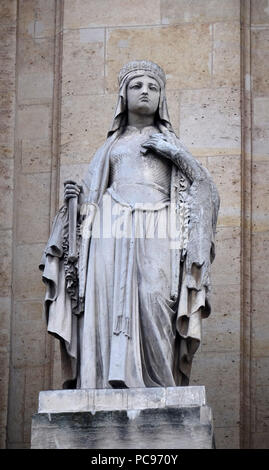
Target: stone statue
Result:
[127, 265]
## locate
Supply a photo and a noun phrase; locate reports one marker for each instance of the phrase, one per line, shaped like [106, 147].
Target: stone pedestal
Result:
[144, 418]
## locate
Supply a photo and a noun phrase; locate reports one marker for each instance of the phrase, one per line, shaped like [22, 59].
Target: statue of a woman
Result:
[128, 306]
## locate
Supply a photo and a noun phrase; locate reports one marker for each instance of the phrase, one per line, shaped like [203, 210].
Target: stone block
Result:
[8, 12]
[35, 70]
[3, 437]
[261, 367]
[260, 109]
[7, 150]
[89, 13]
[6, 258]
[61, 401]
[227, 437]
[37, 18]
[4, 378]
[85, 123]
[109, 422]
[260, 440]
[32, 211]
[171, 428]
[35, 55]
[260, 61]
[226, 267]
[7, 102]
[49, 358]
[136, 401]
[35, 87]
[184, 11]
[260, 274]
[7, 84]
[260, 197]
[226, 174]
[260, 326]
[6, 126]
[28, 349]
[259, 12]
[16, 411]
[185, 396]
[36, 156]
[260, 133]
[83, 62]
[27, 276]
[103, 400]
[5, 314]
[177, 50]
[56, 371]
[154, 398]
[8, 53]
[5, 291]
[260, 143]
[220, 372]
[262, 405]
[66, 400]
[221, 331]
[210, 121]
[4, 382]
[6, 189]
[34, 380]
[226, 54]
[34, 122]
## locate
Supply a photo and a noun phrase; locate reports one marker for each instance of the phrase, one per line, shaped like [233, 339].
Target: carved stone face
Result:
[143, 94]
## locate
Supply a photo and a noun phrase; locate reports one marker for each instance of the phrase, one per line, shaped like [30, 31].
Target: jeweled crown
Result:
[146, 65]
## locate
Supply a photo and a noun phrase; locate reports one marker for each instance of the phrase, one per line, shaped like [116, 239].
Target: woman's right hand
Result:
[71, 189]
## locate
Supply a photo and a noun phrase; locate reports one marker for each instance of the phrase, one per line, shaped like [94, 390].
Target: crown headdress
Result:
[146, 65]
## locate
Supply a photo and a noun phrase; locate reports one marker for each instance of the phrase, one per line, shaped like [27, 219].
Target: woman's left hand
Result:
[159, 144]
[178, 154]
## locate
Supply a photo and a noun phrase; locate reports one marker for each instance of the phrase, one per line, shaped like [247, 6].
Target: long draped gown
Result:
[130, 320]
[141, 322]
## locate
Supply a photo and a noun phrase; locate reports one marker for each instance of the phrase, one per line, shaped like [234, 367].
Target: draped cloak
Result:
[193, 285]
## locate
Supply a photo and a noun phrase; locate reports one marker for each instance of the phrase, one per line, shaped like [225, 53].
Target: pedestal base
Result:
[146, 418]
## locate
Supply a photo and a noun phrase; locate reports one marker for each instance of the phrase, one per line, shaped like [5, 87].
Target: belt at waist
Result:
[118, 183]
[143, 206]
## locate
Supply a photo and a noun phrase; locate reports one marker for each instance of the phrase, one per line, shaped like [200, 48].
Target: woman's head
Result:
[143, 95]
[142, 87]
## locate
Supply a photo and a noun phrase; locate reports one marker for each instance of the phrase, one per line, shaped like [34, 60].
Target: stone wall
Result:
[259, 224]
[60, 104]
[7, 127]
[33, 201]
